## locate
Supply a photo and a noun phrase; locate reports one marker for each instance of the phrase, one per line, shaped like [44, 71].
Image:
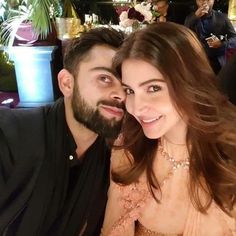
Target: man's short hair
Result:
[79, 48]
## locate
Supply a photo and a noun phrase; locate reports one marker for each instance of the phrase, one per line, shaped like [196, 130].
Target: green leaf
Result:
[40, 17]
[36, 11]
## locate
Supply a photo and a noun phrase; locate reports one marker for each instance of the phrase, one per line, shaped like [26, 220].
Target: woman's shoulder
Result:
[120, 159]
[233, 212]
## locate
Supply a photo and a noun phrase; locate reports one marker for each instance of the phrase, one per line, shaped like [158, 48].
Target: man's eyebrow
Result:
[146, 82]
[103, 68]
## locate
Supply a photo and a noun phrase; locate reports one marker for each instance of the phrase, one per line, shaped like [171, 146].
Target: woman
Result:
[176, 173]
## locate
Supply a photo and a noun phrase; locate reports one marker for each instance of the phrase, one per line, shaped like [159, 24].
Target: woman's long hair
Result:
[211, 135]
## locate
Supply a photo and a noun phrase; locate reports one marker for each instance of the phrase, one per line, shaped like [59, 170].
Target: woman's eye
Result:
[128, 91]
[154, 88]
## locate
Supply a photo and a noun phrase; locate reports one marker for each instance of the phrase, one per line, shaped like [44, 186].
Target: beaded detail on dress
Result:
[134, 197]
[140, 230]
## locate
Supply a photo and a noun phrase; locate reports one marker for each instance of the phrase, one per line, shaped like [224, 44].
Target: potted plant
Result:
[29, 37]
[31, 17]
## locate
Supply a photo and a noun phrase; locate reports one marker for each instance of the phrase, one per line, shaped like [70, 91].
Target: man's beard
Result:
[92, 119]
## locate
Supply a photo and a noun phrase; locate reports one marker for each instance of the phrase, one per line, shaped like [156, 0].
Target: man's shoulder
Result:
[22, 136]
[15, 117]
[22, 127]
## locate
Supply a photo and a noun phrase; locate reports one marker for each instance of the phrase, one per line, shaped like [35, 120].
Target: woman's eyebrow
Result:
[146, 82]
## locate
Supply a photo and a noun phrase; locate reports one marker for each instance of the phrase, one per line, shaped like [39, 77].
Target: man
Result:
[54, 161]
[214, 30]
[161, 6]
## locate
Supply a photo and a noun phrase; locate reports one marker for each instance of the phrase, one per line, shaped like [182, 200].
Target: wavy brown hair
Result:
[211, 135]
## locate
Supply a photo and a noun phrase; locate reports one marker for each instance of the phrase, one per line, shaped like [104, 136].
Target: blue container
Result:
[34, 74]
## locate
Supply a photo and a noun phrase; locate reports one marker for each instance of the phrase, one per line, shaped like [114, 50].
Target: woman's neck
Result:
[178, 151]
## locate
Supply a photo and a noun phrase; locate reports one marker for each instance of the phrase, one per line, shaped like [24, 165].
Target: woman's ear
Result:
[66, 82]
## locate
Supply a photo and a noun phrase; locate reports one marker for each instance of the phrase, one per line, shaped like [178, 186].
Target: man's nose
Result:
[118, 94]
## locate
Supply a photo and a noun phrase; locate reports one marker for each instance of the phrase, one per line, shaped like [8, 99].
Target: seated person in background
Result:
[161, 6]
[214, 30]
[176, 171]
[227, 79]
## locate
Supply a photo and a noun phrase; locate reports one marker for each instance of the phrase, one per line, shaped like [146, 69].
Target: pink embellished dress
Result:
[132, 211]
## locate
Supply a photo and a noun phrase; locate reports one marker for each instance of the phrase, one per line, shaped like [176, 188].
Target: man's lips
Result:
[113, 110]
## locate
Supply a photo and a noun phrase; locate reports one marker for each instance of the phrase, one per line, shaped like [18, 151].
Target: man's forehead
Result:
[160, 2]
[201, 1]
[99, 51]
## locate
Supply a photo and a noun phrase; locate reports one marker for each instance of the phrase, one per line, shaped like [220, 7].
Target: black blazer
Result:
[220, 25]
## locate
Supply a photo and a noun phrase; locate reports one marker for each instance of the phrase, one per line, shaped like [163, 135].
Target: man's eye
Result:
[128, 91]
[154, 88]
[105, 79]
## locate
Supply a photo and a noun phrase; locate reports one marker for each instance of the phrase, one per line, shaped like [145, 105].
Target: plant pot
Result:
[25, 36]
[35, 75]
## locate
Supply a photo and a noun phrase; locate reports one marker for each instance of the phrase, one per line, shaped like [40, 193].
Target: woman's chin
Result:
[150, 135]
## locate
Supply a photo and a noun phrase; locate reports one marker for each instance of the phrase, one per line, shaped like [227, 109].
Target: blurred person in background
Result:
[162, 7]
[214, 30]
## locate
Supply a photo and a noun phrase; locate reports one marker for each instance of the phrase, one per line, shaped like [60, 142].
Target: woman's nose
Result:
[138, 107]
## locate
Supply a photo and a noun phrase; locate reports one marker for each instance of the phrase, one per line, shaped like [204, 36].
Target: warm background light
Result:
[232, 11]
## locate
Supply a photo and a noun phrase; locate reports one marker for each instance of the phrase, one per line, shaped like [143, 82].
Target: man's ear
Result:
[66, 82]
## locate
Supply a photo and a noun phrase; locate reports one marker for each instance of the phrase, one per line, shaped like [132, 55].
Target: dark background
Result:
[107, 13]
